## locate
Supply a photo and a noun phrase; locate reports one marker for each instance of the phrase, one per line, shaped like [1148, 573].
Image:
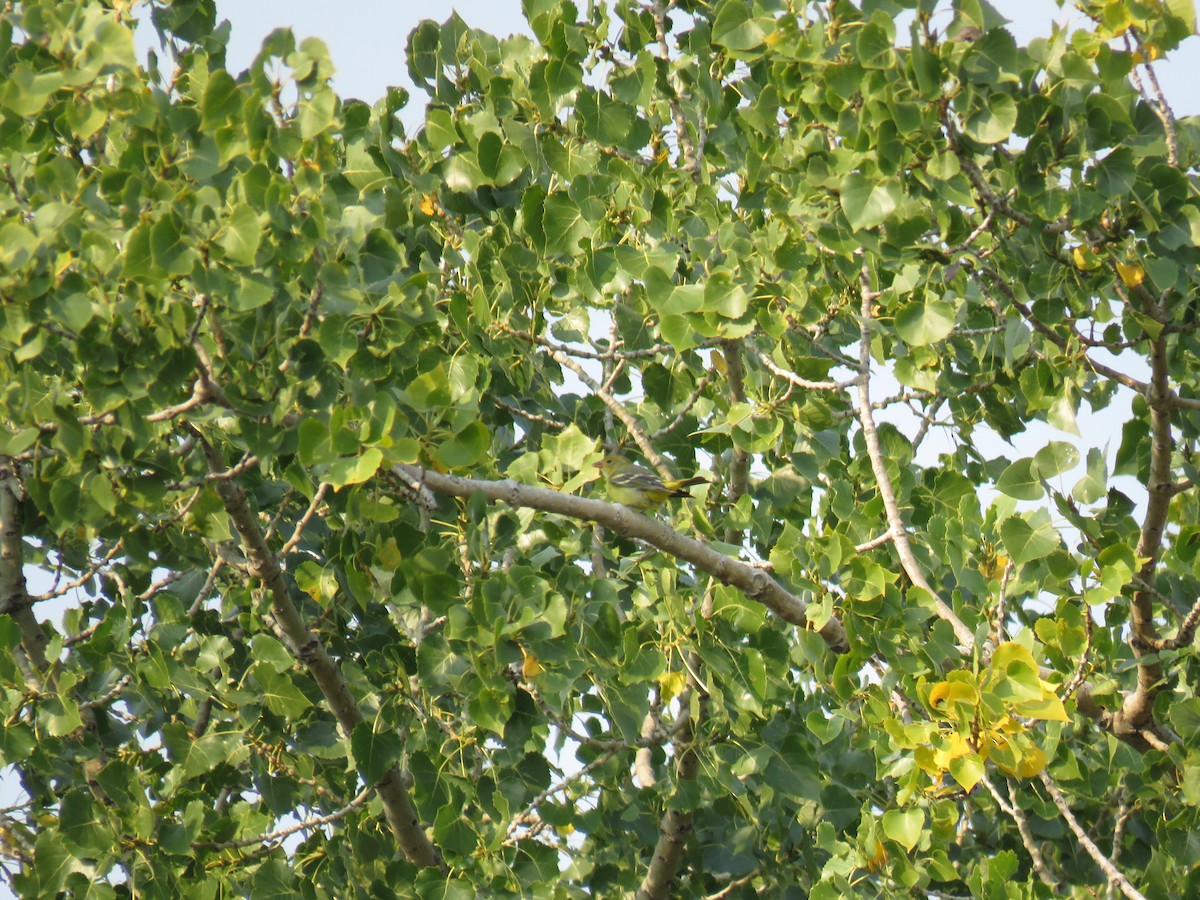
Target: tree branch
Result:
[1111, 872]
[308, 649]
[1013, 810]
[754, 583]
[883, 481]
[14, 595]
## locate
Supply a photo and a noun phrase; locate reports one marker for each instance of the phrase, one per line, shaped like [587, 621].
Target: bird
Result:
[638, 488]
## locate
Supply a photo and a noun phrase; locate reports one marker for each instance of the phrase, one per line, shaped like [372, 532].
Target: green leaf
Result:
[355, 469]
[563, 224]
[1026, 542]
[241, 236]
[490, 709]
[266, 649]
[222, 101]
[466, 448]
[1056, 457]
[868, 203]
[993, 121]
[18, 244]
[317, 113]
[735, 29]
[375, 752]
[279, 692]
[904, 827]
[1021, 480]
[925, 322]
[1095, 483]
[169, 247]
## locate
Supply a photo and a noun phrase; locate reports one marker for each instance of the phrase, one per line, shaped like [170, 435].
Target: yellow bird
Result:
[638, 488]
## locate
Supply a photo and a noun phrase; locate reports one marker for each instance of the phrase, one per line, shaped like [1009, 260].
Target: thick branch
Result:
[1138, 707]
[754, 583]
[14, 596]
[676, 823]
[308, 649]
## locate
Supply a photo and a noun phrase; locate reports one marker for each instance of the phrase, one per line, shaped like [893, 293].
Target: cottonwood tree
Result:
[300, 411]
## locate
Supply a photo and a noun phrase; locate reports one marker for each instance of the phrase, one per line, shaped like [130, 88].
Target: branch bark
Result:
[1111, 872]
[1137, 709]
[308, 649]
[14, 595]
[754, 583]
[895, 520]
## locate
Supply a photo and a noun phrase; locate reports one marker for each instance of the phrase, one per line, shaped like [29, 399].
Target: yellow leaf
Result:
[670, 685]
[1049, 709]
[878, 858]
[1153, 52]
[530, 667]
[993, 568]
[718, 363]
[1084, 258]
[951, 750]
[1131, 274]
[1032, 763]
[428, 204]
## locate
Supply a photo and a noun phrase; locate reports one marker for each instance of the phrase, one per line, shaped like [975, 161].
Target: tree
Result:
[301, 411]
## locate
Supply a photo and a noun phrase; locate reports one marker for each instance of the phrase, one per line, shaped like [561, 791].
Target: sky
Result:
[366, 39]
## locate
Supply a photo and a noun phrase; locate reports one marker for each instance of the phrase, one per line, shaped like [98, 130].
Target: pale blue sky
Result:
[367, 39]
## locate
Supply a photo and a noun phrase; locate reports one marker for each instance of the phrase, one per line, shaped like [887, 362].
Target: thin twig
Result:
[57, 590]
[1015, 812]
[1111, 872]
[883, 481]
[318, 497]
[274, 836]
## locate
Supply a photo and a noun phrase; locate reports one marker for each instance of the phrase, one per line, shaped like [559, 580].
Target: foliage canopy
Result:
[302, 410]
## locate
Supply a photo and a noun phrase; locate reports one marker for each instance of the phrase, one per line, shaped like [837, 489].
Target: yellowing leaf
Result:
[1011, 653]
[1048, 708]
[1085, 260]
[670, 685]
[428, 204]
[1032, 763]
[1131, 274]
[968, 770]
[878, 858]
[993, 568]
[1153, 52]
[530, 667]
[955, 747]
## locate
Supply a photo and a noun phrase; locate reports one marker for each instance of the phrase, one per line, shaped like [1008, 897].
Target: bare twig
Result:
[273, 837]
[57, 590]
[883, 481]
[1111, 872]
[877, 541]
[701, 385]
[796, 380]
[1014, 811]
[1158, 100]
[632, 425]
[317, 499]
